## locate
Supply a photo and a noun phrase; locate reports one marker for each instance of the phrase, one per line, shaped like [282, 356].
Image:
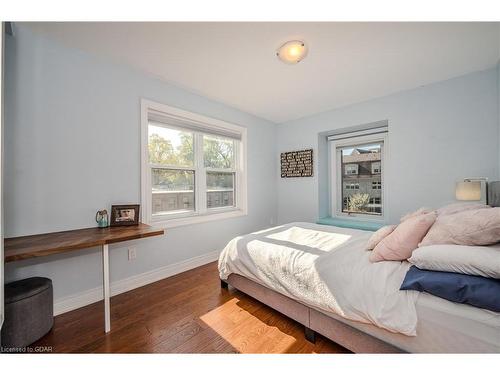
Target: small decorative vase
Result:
[101, 217]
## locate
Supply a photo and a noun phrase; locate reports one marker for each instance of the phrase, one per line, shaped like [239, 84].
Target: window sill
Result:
[197, 219]
[353, 223]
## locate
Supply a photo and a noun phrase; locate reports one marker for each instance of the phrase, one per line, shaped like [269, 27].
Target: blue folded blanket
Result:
[477, 291]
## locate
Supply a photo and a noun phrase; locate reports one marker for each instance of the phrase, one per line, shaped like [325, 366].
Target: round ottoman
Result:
[28, 311]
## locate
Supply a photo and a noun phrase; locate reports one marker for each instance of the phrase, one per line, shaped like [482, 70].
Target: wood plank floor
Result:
[186, 313]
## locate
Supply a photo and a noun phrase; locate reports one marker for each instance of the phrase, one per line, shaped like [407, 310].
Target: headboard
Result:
[494, 193]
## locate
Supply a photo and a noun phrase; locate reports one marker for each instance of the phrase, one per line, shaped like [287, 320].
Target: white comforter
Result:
[327, 268]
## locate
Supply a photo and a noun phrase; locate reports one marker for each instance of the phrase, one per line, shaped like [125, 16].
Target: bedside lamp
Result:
[471, 189]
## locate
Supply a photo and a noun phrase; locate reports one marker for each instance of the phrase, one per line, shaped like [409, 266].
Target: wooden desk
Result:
[40, 245]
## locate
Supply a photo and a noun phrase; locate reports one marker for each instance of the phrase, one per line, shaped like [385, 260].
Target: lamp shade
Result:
[468, 191]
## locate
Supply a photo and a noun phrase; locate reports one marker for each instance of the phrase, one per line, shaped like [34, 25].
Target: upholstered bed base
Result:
[313, 320]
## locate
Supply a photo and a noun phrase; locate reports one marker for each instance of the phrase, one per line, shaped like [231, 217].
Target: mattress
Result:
[442, 327]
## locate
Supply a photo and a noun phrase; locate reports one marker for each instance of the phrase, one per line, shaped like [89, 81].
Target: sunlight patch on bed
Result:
[244, 327]
[324, 241]
[290, 269]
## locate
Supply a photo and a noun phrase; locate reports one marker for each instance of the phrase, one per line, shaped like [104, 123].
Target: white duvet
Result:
[328, 268]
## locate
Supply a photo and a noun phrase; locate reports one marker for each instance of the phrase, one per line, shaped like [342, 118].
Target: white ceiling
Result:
[235, 63]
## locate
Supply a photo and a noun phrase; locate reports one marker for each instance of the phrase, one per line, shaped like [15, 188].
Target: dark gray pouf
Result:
[28, 311]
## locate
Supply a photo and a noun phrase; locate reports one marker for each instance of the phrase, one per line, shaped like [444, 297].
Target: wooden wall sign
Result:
[297, 163]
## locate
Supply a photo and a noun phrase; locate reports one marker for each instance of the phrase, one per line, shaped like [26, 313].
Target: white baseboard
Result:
[75, 301]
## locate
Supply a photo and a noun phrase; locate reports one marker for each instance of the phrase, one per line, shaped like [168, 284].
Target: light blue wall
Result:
[498, 111]
[437, 134]
[72, 147]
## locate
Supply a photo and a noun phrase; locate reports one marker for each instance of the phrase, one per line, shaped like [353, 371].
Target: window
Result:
[171, 159]
[375, 205]
[358, 200]
[218, 156]
[192, 167]
[357, 178]
[351, 169]
[352, 186]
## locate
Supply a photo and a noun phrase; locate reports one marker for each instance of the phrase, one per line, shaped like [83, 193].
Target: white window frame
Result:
[201, 213]
[336, 177]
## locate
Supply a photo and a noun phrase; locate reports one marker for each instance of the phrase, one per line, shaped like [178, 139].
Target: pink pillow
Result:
[459, 207]
[379, 236]
[420, 211]
[472, 227]
[405, 238]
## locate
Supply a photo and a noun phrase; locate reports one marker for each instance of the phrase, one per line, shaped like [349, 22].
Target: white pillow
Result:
[469, 260]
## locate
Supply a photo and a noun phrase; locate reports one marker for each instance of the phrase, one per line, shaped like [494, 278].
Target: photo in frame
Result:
[124, 214]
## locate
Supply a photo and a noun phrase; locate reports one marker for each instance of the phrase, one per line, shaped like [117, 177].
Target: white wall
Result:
[72, 147]
[437, 134]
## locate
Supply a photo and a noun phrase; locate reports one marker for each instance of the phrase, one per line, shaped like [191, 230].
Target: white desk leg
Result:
[105, 276]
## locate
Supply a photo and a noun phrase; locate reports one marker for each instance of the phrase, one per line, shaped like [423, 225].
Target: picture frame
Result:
[124, 214]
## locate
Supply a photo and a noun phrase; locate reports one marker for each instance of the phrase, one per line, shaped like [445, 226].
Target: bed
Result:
[306, 270]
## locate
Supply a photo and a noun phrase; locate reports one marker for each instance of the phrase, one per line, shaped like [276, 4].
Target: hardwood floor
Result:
[186, 313]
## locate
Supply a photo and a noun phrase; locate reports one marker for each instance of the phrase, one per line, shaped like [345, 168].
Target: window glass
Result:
[218, 152]
[360, 168]
[170, 146]
[173, 191]
[220, 189]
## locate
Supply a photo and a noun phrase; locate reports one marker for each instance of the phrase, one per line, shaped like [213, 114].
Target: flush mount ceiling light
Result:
[292, 52]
